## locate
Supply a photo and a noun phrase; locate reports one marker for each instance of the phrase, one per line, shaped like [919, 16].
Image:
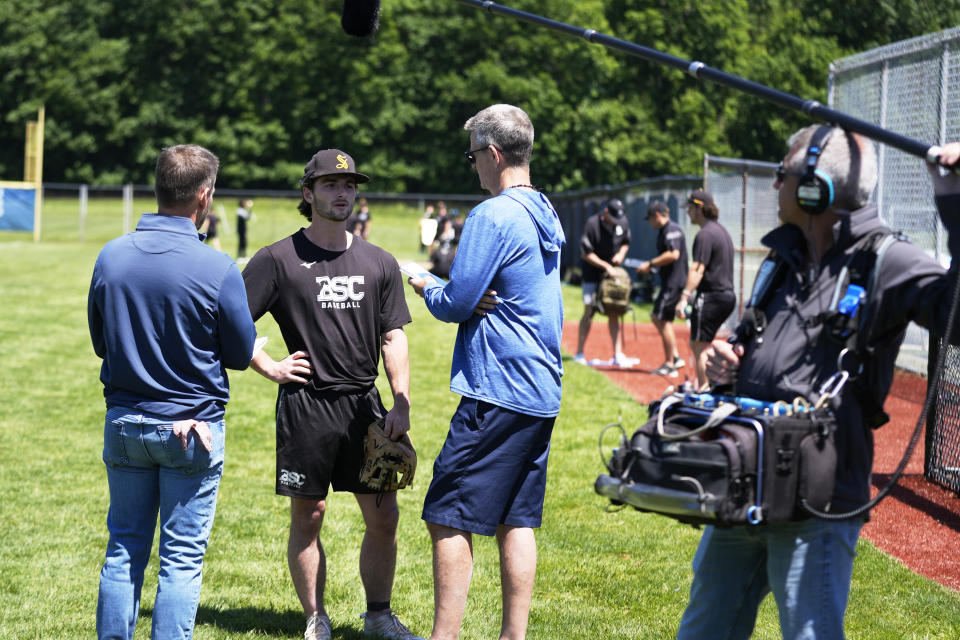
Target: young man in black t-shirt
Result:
[339, 303]
[671, 260]
[710, 278]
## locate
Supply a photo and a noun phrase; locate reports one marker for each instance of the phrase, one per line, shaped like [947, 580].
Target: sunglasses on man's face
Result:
[471, 158]
[783, 173]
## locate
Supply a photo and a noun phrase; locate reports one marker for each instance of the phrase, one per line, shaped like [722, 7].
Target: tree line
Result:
[265, 83]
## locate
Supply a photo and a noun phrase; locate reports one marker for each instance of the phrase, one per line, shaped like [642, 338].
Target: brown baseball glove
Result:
[388, 464]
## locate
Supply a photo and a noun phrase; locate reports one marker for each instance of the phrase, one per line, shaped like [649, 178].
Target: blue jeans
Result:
[807, 565]
[148, 472]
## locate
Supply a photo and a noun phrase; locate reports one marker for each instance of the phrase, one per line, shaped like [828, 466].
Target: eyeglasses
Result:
[472, 159]
[783, 173]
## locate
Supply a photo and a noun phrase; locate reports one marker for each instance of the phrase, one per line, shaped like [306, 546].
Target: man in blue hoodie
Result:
[504, 292]
[168, 315]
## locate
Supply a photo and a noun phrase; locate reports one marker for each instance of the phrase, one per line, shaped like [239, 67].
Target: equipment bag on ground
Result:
[613, 293]
[725, 465]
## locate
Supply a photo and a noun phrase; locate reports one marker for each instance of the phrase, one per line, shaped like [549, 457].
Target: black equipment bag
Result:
[724, 467]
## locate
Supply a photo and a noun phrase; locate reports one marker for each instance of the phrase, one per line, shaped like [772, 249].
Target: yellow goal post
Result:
[21, 202]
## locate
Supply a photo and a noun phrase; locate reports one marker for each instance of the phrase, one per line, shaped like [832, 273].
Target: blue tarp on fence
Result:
[16, 208]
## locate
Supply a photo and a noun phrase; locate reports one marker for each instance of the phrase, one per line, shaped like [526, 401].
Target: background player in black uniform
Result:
[603, 246]
[339, 302]
[710, 277]
[671, 260]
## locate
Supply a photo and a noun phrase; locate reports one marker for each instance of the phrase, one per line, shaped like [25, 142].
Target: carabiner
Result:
[832, 387]
[840, 364]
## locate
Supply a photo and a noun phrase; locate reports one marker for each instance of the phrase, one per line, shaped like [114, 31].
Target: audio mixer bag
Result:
[725, 467]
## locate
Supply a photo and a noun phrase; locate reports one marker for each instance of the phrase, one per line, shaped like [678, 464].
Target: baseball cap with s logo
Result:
[329, 162]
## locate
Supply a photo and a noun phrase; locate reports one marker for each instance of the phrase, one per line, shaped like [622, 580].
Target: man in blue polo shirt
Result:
[168, 315]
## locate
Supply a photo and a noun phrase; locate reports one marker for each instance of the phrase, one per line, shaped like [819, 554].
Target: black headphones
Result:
[815, 188]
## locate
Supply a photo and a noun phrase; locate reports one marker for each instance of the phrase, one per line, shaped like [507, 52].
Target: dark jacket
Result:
[796, 356]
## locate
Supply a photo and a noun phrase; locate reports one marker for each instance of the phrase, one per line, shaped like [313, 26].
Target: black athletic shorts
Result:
[320, 440]
[665, 306]
[710, 311]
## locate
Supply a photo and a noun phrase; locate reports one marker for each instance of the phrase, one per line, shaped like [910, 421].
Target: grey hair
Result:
[182, 172]
[506, 127]
[849, 159]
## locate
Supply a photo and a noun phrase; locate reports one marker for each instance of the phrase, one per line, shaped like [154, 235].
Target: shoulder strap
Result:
[854, 326]
[851, 314]
[770, 275]
[881, 243]
[852, 310]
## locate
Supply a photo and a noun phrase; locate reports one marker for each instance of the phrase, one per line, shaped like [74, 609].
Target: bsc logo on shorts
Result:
[339, 292]
[292, 478]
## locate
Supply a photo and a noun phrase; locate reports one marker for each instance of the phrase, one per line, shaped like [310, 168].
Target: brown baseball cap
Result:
[328, 162]
[700, 197]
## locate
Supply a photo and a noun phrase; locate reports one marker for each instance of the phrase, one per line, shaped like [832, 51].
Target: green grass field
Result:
[601, 575]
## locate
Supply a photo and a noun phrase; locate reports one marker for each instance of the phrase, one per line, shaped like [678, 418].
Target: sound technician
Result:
[824, 185]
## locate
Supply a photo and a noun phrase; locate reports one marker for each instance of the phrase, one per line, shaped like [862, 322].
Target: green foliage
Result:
[266, 83]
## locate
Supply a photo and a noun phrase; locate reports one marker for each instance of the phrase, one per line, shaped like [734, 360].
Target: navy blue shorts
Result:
[492, 470]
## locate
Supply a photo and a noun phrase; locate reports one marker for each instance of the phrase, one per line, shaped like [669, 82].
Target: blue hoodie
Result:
[511, 356]
[168, 314]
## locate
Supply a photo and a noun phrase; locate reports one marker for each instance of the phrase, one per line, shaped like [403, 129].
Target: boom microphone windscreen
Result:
[360, 17]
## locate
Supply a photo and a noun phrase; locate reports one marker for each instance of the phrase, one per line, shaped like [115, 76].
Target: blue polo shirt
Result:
[168, 315]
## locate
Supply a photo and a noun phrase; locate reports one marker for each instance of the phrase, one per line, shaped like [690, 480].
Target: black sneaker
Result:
[666, 369]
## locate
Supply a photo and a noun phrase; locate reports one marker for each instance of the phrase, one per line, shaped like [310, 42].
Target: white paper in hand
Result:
[414, 270]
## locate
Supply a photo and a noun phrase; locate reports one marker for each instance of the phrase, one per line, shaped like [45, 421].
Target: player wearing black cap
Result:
[709, 287]
[671, 260]
[603, 246]
[339, 303]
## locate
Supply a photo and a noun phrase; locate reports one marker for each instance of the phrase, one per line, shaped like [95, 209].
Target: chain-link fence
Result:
[911, 87]
[100, 212]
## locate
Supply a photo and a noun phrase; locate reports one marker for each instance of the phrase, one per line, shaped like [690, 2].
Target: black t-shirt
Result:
[713, 248]
[673, 275]
[603, 240]
[335, 305]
